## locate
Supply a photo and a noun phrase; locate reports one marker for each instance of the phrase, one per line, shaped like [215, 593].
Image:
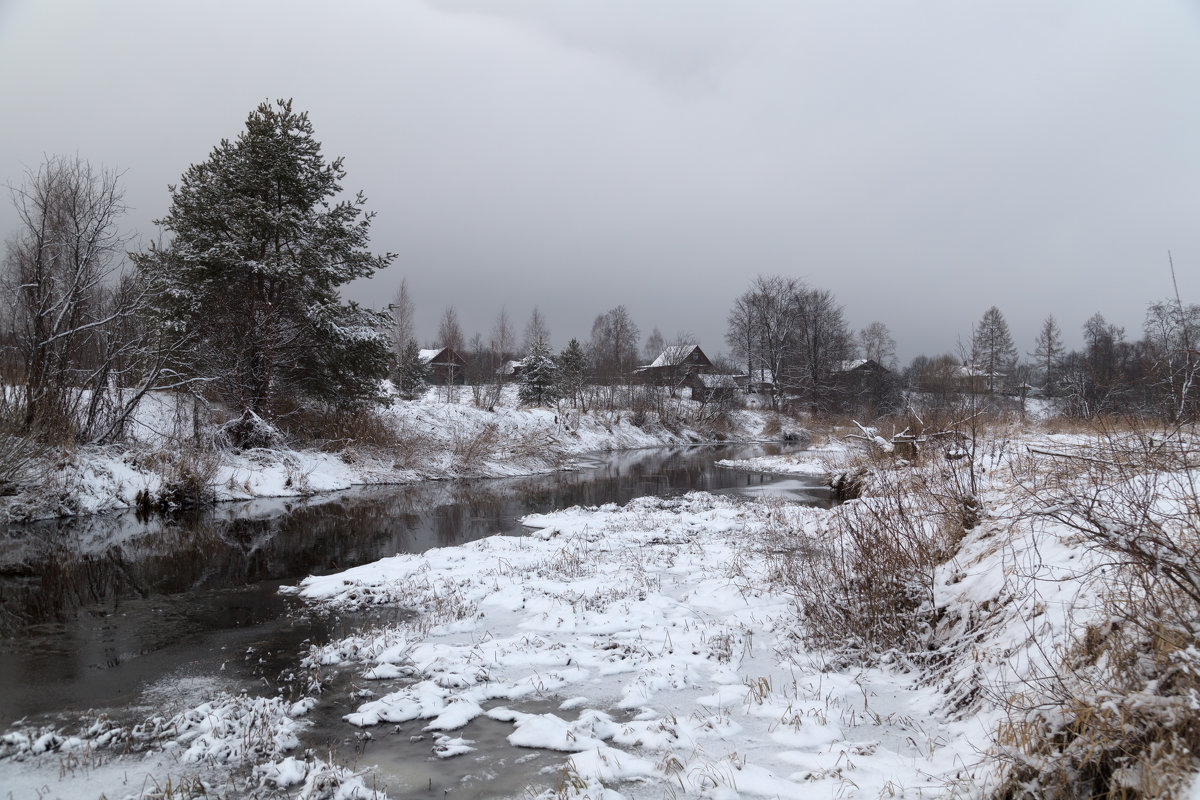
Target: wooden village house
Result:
[446, 366]
[709, 388]
[674, 365]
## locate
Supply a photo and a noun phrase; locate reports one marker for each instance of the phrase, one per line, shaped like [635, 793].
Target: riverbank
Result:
[965, 627]
[417, 517]
[428, 439]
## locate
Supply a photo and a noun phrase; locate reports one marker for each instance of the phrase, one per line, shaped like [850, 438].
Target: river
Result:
[127, 616]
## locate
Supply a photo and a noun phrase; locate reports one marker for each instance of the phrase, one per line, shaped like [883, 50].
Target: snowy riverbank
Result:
[433, 440]
[677, 646]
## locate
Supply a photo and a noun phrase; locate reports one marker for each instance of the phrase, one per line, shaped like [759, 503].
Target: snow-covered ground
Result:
[814, 461]
[436, 440]
[660, 647]
[676, 663]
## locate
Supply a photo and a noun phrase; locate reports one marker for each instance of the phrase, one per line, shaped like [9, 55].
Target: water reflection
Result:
[92, 609]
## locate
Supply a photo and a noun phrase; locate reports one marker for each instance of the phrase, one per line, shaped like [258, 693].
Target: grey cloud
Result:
[922, 160]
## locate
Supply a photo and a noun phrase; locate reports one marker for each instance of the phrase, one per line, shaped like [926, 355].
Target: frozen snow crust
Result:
[675, 642]
[232, 743]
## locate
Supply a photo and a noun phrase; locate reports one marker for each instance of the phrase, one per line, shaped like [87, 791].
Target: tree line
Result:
[1158, 374]
[239, 307]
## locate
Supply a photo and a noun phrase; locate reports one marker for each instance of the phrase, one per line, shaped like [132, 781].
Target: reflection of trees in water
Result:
[58, 569]
[49, 570]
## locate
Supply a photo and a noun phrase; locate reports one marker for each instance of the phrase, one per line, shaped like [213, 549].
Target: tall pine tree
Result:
[259, 245]
[1048, 353]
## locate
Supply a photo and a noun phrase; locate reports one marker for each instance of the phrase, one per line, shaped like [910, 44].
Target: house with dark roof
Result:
[674, 365]
[446, 366]
[709, 388]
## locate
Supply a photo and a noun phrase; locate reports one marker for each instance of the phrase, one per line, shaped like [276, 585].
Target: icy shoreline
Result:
[655, 626]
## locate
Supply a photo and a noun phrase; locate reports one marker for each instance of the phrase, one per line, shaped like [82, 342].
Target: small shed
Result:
[760, 381]
[708, 388]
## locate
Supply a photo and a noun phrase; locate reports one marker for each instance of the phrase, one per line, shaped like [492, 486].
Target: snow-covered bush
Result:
[1120, 715]
[865, 588]
[184, 476]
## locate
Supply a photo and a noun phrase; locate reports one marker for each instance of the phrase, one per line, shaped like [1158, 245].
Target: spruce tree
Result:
[538, 381]
[259, 244]
[572, 371]
[412, 374]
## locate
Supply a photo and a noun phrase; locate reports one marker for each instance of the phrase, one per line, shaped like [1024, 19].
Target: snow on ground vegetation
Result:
[170, 459]
[1009, 613]
[974, 623]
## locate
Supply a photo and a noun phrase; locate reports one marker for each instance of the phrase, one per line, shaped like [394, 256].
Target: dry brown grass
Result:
[1121, 723]
[864, 584]
[1120, 716]
[186, 473]
[472, 445]
[334, 429]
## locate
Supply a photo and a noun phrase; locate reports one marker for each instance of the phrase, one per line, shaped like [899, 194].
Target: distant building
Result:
[511, 368]
[865, 383]
[674, 365]
[446, 366]
[970, 378]
[708, 388]
[760, 381]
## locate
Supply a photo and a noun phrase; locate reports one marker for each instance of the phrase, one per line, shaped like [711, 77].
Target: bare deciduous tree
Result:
[614, 349]
[740, 331]
[72, 321]
[1173, 349]
[535, 329]
[877, 344]
[1048, 353]
[655, 344]
[403, 318]
[500, 347]
[992, 348]
[762, 327]
[449, 331]
[821, 344]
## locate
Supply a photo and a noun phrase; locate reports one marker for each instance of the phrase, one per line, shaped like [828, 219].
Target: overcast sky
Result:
[922, 160]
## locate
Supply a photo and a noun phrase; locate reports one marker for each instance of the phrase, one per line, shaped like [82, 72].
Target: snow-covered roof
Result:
[449, 356]
[716, 381]
[511, 367]
[761, 375]
[673, 356]
[972, 371]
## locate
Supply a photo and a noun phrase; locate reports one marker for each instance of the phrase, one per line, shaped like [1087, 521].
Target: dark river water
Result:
[122, 614]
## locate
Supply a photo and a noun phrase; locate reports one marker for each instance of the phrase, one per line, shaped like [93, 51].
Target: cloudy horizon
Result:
[923, 161]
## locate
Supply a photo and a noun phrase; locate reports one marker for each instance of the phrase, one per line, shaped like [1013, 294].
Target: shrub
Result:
[1120, 717]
